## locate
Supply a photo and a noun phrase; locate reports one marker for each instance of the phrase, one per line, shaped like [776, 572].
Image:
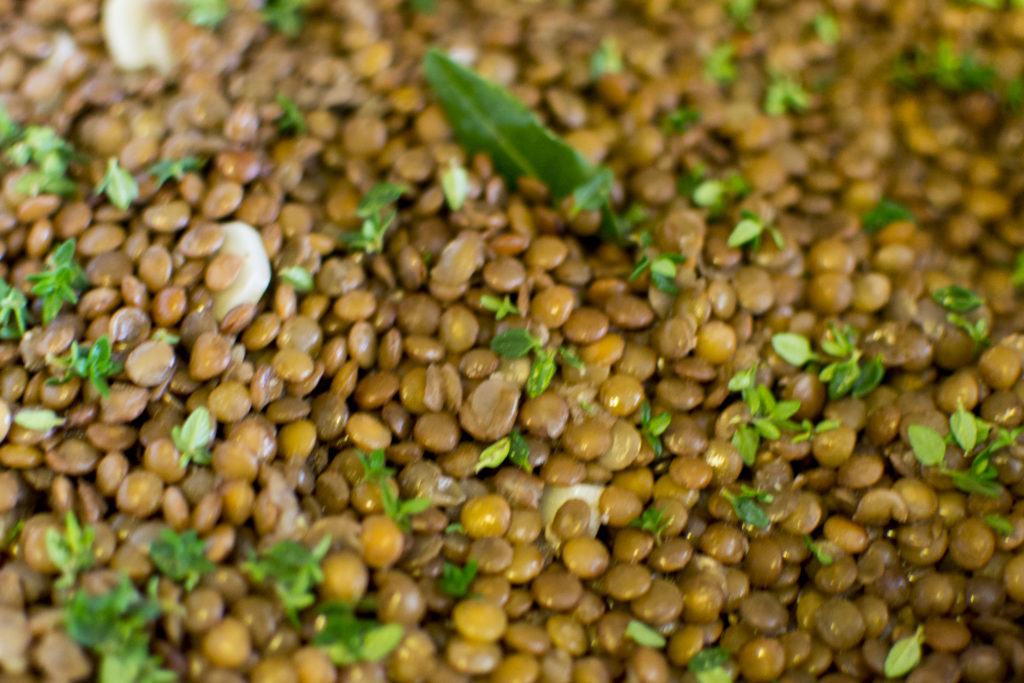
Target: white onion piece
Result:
[63, 47]
[253, 278]
[555, 496]
[135, 36]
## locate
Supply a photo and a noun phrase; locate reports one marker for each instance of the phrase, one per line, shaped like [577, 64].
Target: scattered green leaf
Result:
[741, 11]
[1001, 525]
[298, 277]
[794, 348]
[38, 419]
[745, 505]
[291, 121]
[118, 185]
[516, 342]
[542, 371]
[653, 427]
[679, 120]
[642, 634]
[192, 438]
[347, 639]
[205, 13]
[719, 67]
[816, 550]
[295, 571]
[163, 171]
[401, 510]
[749, 229]
[653, 521]
[71, 551]
[487, 118]
[593, 194]
[13, 311]
[94, 365]
[904, 655]
[500, 307]
[48, 152]
[284, 15]
[826, 27]
[785, 94]
[607, 59]
[370, 236]
[454, 528]
[957, 299]
[512, 448]
[455, 580]
[662, 270]
[708, 665]
[976, 330]
[61, 283]
[455, 185]
[181, 557]
[163, 335]
[884, 213]
[375, 468]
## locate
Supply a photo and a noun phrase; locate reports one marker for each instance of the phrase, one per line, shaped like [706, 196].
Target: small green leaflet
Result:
[205, 13]
[291, 121]
[512, 448]
[594, 193]
[964, 429]
[298, 277]
[487, 118]
[745, 505]
[653, 521]
[1001, 525]
[192, 437]
[928, 446]
[607, 59]
[904, 655]
[163, 171]
[793, 348]
[500, 307]
[38, 419]
[119, 185]
[455, 581]
[957, 299]
[785, 94]
[348, 639]
[819, 554]
[827, 28]
[708, 665]
[884, 213]
[181, 557]
[514, 343]
[541, 373]
[455, 185]
[642, 634]
[719, 67]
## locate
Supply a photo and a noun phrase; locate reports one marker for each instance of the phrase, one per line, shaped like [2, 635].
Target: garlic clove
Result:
[253, 279]
[555, 496]
[135, 35]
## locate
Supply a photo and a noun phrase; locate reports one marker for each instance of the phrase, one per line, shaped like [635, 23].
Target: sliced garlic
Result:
[555, 496]
[253, 279]
[135, 35]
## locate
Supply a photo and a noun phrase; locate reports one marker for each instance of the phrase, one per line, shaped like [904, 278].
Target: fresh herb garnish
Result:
[455, 185]
[642, 634]
[785, 94]
[163, 335]
[71, 551]
[904, 655]
[295, 570]
[679, 120]
[745, 505]
[957, 299]
[487, 118]
[708, 665]
[715, 195]
[748, 232]
[192, 438]
[1001, 525]
[516, 342]
[291, 121]
[500, 307]
[455, 580]
[61, 283]
[370, 237]
[181, 557]
[977, 330]
[653, 521]
[768, 417]
[826, 27]
[741, 10]
[653, 427]
[884, 213]
[593, 194]
[205, 13]
[808, 429]
[662, 267]
[719, 67]
[38, 419]
[347, 639]
[49, 153]
[95, 366]
[163, 171]
[512, 448]
[13, 311]
[284, 15]
[816, 550]
[401, 510]
[848, 376]
[375, 468]
[298, 277]
[607, 59]
[114, 625]
[118, 185]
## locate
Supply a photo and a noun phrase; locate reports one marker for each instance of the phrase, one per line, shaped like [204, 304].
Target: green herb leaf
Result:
[708, 665]
[1001, 525]
[957, 298]
[295, 571]
[871, 375]
[192, 437]
[454, 528]
[291, 121]
[455, 184]
[571, 358]
[884, 213]
[494, 455]
[719, 67]
[653, 521]
[964, 429]
[928, 446]
[826, 27]
[785, 94]
[653, 427]
[96, 365]
[284, 15]
[593, 194]
[166, 170]
[61, 283]
[370, 236]
[607, 59]
[747, 231]
[793, 348]
[455, 581]
[541, 373]
[514, 343]
[9, 128]
[119, 185]
[71, 551]
[519, 453]
[904, 655]
[679, 120]
[746, 440]
[486, 118]
[349, 640]
[819, 554]
[298, 277]
[500, 307]
[181, 557]
[163, 335]
[205, 13]
[642, 634]
[741, 11]
[38, 419]
[746, 508]
[13, 311]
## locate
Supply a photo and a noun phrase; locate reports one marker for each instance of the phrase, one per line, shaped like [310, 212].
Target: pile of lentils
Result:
[299, 386]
